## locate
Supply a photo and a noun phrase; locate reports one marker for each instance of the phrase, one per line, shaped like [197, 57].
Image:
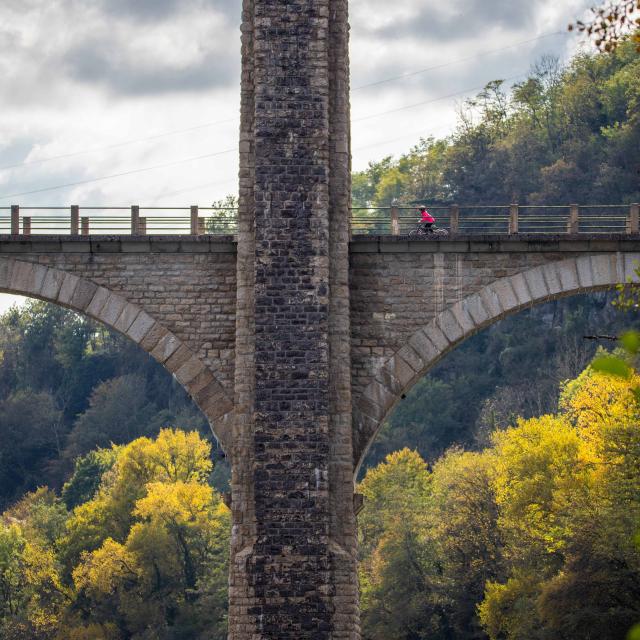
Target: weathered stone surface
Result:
[28, 278]
[68, 288]
[568, 275]
[140, 327]
[112, 309]
[603, 269]
[83, 294]
[536, 283]
[165, 348]
[126, 318]
[585, 276]
[189, 370]
[519, 286]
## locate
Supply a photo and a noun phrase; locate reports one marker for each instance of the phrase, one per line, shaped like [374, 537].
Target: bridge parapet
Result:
[507, 219]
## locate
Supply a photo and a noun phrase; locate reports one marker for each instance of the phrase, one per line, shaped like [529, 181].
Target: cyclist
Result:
[427, 220]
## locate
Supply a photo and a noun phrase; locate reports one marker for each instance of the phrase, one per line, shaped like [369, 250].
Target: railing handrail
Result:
[501, 219]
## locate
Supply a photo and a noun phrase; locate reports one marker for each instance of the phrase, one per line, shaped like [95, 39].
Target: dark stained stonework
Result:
[294, 573]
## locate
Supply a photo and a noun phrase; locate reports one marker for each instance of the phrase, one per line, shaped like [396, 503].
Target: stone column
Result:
[293, 570]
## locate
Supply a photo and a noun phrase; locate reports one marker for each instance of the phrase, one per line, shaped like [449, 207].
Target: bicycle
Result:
[421, 231]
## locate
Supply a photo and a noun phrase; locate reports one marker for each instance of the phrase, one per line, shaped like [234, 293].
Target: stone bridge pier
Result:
[293, 553]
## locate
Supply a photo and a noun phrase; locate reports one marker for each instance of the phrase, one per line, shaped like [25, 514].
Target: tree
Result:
[147, 554]
[610, 22]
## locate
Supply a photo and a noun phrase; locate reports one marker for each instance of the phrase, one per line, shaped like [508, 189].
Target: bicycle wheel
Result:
[416, 232]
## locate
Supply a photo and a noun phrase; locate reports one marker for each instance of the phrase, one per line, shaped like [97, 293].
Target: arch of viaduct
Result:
[411, 302]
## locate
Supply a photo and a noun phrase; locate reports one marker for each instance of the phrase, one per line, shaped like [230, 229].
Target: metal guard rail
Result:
[394, 220]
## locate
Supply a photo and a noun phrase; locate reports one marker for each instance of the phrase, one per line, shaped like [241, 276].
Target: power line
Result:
[475, 56]
[406, 135]
[217, 122]
[193, 188]
[211, 155]
[420, 104]
[116, 145]
[117, 175]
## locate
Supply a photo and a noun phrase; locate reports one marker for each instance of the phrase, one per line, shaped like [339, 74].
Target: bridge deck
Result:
[458, 243]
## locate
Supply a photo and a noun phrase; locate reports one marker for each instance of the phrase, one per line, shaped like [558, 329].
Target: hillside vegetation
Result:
[563, 135]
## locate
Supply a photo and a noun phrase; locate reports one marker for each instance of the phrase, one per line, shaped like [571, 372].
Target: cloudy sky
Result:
[136, 101]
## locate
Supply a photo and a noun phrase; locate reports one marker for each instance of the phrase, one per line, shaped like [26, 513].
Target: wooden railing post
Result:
[513, 218]
[26, 225]
[142, 226]
[194, 220]
[84, 226]
[395, 221]
[135, 220]
[454, 218]
[15, 219]
[574, 219]
[633, 222]
[75, 220]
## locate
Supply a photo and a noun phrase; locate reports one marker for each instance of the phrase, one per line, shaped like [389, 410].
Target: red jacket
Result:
[427, 217]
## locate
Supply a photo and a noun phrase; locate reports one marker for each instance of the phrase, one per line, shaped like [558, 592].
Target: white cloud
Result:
[90, 74]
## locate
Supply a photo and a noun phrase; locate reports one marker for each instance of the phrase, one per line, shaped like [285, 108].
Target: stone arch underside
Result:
[463, 319]
[115, 311]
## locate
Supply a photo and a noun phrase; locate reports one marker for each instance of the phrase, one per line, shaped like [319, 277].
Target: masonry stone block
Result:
[127, 317]
[140, 327]
[98, 301]
[551, 273]
[189, 370]
[153, 337]
[519, 286]
[435, 334]
[6, 266]
[51, 286]
[491, 301]
[463, 318]
[476, 309]
[506, 295]
[380, 395]
[568, 273]
[412, 358]
[112, 309]
[83, 295]
[179, 357]
[424, 347]
[400, 371]
[603, 268]
[166, 346]
[450, 326]
[536, 283]
[387, 376]
[68, 288]
[27, 278]
[585, 276]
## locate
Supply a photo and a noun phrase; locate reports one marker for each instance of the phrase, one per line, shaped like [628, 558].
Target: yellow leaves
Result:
[595, 398]
[508, 610]
[536, 465]
[173, 456]
[178, 503]
[103, 571]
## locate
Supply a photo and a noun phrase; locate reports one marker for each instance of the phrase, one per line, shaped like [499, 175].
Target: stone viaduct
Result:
[295, 339]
